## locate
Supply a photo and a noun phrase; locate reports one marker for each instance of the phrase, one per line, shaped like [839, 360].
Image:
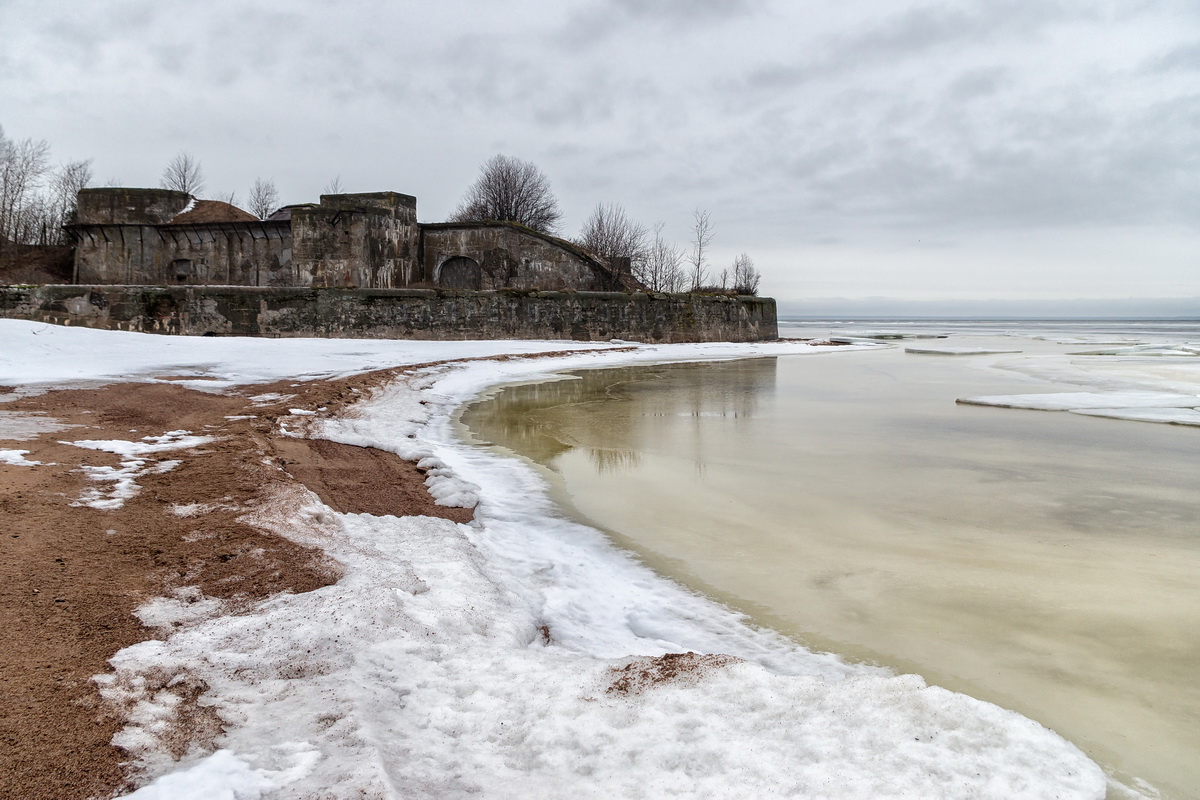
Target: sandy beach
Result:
[243, 569]
[73, 575]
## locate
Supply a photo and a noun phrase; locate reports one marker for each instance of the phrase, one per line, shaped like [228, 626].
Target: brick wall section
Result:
[397, 313]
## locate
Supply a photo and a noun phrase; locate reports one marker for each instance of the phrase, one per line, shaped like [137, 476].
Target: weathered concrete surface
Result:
[246, 253]
[356, 240]
[397, 313]
[504, 255]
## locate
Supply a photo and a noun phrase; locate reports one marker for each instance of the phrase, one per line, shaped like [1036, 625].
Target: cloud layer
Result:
[896, 144]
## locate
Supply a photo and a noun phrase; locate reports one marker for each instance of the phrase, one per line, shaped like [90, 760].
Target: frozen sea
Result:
[521, 655]
[1036, 546]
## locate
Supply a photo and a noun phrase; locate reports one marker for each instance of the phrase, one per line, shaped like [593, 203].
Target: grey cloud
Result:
[1183, 58]
[602, 21]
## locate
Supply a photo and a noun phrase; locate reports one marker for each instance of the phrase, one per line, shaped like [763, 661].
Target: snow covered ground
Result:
[519, 656]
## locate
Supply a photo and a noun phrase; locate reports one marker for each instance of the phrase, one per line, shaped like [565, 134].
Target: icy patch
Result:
[171, 440]
[270, 398]
[226, 776]
[19, 426]
[1073, 401]
[1160, 350]
[422, 675]
[301, 412]
[1170, 416]
[187, 605]
[17, 458]
[957, 351]
[189, 510]
[123, 478]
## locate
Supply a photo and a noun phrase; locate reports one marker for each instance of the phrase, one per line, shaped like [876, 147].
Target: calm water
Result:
[1043, 561]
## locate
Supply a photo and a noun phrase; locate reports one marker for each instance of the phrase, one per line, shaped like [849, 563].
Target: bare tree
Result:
[65, 185]
[183, 174]
[660, 270]
[226, 197]
[511, 190]
[609, 234]
[745, 277]
[23, 167]
[702, 233]
[264, 198]
[334, 186]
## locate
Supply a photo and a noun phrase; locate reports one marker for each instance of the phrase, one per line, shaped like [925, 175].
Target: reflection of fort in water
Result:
[537, 420]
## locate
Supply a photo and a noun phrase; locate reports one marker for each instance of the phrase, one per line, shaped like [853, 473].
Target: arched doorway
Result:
[460, 272]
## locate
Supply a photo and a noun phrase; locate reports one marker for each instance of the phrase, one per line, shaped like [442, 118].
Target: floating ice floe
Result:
[957, 351]
[1175, 409]
[1186, 350]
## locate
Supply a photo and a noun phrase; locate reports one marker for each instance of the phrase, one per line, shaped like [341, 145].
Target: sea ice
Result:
[1071, 401]
[492, 659]
[957, 351]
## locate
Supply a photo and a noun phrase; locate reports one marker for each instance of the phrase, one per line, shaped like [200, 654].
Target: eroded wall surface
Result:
[243, 254]
[366, 241]
[508, 256]
[398, 314]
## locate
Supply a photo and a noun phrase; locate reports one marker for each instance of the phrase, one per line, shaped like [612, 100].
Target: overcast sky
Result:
[1016, 150]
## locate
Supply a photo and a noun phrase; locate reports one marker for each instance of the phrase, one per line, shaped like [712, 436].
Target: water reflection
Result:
[1044, 562]
[545, 421]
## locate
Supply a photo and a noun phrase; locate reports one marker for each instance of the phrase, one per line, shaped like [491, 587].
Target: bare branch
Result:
[661, 268]
[609, 234]
[702, 233]
[264, 198]
[511, 190]
[183, 174]
[745, 277]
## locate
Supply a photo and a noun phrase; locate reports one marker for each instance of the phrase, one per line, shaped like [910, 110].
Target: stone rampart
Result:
[397, 313]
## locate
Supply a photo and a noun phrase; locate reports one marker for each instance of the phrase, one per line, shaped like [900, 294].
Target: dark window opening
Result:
[181, 270]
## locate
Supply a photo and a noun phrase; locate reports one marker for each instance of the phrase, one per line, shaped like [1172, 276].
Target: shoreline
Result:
[73, 576]
[426, 608]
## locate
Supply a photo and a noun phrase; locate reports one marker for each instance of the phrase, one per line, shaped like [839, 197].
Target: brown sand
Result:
[71, 576]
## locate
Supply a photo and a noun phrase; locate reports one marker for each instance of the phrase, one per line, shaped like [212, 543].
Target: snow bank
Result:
[520, 656]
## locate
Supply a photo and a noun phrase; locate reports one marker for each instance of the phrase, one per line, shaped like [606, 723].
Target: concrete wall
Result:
[510, 256]
[119, 206]
[356, 240]
[246, 254]
[398, 314]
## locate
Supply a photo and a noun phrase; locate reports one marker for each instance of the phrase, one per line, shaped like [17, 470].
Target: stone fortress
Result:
[354, 266]
[367, 241]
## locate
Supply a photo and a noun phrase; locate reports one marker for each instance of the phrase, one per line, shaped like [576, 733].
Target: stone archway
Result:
[460, 272]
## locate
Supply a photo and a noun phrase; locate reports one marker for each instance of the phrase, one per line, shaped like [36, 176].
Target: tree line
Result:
[37, 199]
[511, 190]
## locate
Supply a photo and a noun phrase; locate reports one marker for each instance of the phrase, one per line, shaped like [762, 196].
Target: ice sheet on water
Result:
[957, 351]
[1071, 401]
[1170, 416]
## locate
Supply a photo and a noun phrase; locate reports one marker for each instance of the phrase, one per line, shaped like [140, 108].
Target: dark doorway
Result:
[181, 270]
[460, 272]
